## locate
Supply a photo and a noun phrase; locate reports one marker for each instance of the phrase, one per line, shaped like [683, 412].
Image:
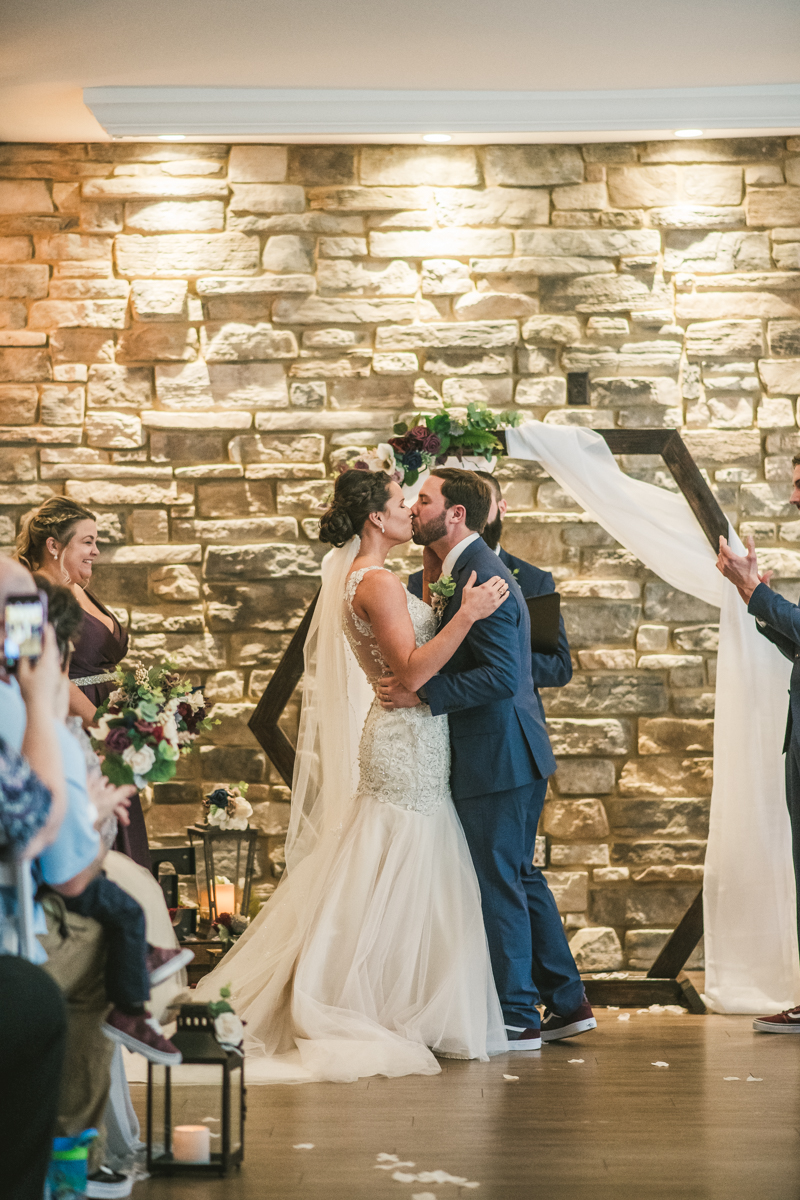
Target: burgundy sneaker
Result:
[523, 1039]
[142, 1035]
[554, 1027]
[787, 1021]
[161, 963]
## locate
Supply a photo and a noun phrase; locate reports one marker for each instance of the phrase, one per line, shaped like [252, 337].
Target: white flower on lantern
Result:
[228, 1029]
[218, 817]
[139, 761]
[242, 811]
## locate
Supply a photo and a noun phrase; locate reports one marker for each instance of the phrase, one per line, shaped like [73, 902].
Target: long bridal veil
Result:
[335, 700]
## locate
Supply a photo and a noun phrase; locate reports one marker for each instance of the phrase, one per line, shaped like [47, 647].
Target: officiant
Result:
[549, 670]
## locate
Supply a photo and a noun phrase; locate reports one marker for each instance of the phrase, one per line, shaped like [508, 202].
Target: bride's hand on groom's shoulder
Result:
[392, 694]
[482, 601]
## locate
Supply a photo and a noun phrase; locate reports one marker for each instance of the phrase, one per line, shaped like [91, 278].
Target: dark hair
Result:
[470, 491]
[355, 496]
[493, 483]
[63, 612]
[796, 460]
[56, 518]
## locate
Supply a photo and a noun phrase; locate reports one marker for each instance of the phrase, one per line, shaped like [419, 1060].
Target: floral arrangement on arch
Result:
[432, 439]
[151, 719]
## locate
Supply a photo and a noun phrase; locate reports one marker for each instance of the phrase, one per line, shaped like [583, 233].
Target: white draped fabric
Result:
[750, 932]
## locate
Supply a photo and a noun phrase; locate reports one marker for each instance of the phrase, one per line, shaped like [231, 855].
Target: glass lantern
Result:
[224, 865]
[196, 1112]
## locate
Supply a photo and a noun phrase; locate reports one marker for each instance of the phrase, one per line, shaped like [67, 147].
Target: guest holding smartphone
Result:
[59, 540]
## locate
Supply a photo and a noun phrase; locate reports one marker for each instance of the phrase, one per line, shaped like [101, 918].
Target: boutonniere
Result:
[441, 592]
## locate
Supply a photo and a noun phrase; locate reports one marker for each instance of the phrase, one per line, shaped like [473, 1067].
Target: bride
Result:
[371, 956]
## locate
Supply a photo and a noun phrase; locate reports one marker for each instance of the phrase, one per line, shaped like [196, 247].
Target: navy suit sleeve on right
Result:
[781, 619]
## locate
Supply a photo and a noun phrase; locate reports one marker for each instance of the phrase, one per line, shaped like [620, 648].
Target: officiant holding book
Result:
[552, 669]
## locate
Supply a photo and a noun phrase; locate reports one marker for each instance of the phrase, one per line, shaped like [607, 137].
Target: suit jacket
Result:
[549, 670]
[781, 626]
[498, 736]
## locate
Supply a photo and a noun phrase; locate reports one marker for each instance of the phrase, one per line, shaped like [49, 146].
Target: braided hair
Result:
[56, 519]
[355, 496]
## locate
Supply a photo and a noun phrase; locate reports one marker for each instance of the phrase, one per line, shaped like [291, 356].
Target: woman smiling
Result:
[59, 541]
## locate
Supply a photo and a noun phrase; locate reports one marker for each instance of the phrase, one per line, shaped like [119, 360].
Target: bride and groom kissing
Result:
[411, 921]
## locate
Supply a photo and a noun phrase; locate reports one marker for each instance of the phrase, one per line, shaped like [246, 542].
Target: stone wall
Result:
[190, 332]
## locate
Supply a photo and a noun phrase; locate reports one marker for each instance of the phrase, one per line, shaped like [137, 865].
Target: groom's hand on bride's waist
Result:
[392, 694]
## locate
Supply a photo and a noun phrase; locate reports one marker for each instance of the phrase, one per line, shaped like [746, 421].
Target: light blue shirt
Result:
[77, 843]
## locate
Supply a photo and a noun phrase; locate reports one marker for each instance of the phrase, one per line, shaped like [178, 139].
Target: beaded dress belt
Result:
[106, 677]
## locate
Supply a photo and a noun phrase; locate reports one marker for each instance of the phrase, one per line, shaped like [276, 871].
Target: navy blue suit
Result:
[549, 670]
[501, 758]
[781, 626]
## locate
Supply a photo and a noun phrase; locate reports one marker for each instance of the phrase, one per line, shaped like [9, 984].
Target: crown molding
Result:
[343, 113]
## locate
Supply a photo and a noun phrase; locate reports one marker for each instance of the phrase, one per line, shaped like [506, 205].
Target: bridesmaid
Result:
[59, 539]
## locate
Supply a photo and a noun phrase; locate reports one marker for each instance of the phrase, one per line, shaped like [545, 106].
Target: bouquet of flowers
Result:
[228, 808]
[455, 431]
[143, 728]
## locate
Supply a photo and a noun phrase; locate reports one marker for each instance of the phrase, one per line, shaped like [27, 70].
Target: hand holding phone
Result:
[40, 679]
[25, 619]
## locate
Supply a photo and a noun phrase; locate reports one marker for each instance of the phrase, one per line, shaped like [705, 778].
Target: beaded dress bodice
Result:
[404, 755]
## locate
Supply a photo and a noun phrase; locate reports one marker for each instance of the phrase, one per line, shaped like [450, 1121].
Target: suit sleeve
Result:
[415, 584]
[551, 670]
[493, 643]
[781, 619]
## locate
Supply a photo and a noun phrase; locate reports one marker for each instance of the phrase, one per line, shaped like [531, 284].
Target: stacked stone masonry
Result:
[191, 334]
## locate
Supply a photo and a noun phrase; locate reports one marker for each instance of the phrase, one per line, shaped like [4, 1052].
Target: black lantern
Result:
[206, 1092]
[224, 864]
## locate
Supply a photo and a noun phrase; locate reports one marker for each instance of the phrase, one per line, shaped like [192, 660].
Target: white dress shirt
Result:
[455, 553]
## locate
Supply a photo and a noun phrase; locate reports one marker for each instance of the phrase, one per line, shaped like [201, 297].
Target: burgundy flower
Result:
[225, 919]
[432, 444]
[117, 740]
[149, 730]
[184, 710]
[420, 432]
[403, 444]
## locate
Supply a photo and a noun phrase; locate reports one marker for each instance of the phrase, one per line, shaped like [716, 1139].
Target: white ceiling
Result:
[50, 50]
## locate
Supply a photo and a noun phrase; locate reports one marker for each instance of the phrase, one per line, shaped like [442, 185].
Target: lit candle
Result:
[191, 1143]
[226, 898]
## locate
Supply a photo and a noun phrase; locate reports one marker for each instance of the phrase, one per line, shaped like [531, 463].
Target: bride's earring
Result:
[380, 526]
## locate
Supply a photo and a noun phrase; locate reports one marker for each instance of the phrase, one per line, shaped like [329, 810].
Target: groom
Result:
[501, 759]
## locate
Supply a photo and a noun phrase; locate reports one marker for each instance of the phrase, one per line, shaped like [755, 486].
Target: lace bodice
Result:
[404, 756]
[363, 640]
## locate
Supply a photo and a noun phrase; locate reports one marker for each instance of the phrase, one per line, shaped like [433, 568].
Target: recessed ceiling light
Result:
[688, 133]
[437, 137]
[172, 137]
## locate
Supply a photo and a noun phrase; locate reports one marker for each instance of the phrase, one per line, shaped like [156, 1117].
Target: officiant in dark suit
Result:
[549, 670]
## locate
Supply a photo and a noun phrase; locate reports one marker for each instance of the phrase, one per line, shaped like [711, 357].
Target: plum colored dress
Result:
[97, 653]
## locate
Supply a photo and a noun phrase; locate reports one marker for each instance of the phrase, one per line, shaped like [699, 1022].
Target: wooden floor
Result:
[610, 1128]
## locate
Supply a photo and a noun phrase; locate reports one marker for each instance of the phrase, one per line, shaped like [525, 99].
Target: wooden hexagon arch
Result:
[665, 981]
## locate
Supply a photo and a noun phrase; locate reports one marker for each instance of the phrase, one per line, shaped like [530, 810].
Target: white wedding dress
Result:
[371, 956]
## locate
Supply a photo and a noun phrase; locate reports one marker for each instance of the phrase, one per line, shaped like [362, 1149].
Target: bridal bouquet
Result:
[144, 727]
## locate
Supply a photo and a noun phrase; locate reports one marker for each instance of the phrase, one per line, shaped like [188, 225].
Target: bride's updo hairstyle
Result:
[355, 496]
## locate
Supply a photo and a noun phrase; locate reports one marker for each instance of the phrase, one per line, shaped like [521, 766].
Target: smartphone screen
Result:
[25, 618]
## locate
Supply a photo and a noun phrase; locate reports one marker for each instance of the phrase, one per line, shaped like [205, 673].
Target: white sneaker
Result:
[106, 1184]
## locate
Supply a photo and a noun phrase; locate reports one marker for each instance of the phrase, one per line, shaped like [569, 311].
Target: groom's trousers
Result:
[531, 960]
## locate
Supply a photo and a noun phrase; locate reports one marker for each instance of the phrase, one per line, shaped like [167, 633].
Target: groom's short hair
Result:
[470, 491]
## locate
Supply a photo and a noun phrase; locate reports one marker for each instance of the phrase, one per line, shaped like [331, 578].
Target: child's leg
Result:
[122, 919]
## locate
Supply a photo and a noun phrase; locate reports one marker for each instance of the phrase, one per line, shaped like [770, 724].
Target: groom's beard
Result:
[431, 531]
[492, 531]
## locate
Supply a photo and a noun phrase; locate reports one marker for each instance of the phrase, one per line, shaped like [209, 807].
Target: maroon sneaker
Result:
[787, 1021]
[554, 1027]
[523, 1039]
[161, 963]
[142, 1035]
